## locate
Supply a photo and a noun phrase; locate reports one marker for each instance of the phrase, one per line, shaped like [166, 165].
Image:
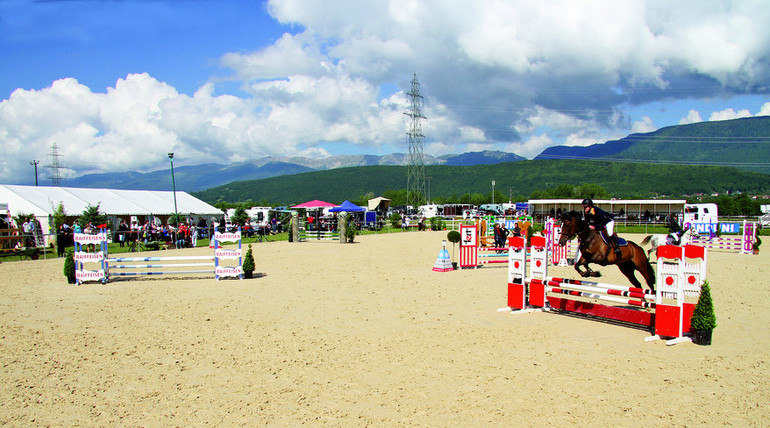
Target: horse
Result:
[593, 249]
[657, 240]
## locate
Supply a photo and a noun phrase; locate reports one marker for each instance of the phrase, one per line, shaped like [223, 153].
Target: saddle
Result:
[621, 242]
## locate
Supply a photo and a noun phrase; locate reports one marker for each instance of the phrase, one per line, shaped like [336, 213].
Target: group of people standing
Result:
[184, 236]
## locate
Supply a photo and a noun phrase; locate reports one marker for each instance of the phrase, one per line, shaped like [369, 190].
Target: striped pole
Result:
[590, 292]
[159, 273]
[614, 287]
[159, 259]
[159, 266]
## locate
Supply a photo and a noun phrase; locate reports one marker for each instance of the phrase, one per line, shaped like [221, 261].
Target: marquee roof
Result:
[43, 200]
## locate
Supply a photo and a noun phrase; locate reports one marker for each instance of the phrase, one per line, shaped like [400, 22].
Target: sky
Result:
[117, 84]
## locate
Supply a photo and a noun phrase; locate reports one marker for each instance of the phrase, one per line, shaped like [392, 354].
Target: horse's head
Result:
[570, 226]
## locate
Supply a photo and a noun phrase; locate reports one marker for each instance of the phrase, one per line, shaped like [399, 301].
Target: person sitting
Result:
[602, 221]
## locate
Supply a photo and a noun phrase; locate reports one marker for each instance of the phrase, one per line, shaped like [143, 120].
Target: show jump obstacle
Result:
[109, 266]
[680, 274]
[741, 243]
[473, 255]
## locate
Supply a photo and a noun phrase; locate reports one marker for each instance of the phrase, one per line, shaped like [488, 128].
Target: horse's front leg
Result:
[588, 271]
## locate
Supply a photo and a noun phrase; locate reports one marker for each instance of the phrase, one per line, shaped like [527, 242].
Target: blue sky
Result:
[97, 42]
[117, 84]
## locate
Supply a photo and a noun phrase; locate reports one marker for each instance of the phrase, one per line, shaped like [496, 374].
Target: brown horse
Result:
[593, 249]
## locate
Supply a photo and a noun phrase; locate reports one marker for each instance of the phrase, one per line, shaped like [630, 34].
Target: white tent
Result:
[378, 203]
[42, 202]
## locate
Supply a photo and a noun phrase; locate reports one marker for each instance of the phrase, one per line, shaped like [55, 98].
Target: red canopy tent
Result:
[315, 204]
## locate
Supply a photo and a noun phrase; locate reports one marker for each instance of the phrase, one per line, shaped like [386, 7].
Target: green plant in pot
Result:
[350, 229]
[756, 244]
[248, 264]
[703, 321]
[453, 236]
[395, 220]
[69, 268]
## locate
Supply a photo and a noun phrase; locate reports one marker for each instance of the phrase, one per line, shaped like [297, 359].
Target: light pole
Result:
[35, 162]
[493, 192]
[173, 186]
[428, 189]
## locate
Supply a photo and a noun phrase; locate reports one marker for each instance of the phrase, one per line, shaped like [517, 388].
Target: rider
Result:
[675, 231]
[600, 220]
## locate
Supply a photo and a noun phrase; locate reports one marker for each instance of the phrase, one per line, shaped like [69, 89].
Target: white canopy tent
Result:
[42, 202]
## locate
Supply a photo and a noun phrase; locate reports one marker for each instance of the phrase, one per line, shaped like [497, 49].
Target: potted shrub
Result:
[248, 264]
[756, 244]
[69, 268]
[703, 321]
[395, 220]
[454, 237]
[350, 228]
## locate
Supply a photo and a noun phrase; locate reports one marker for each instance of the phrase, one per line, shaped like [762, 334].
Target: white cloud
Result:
[531, 147]
[692, 117]
[728, 114]
[765, 110]
[290, 55]
[514, 75]
[644, 125]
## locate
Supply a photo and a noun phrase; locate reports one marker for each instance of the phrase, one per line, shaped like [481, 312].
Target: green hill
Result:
[741, 143]
[621, 179]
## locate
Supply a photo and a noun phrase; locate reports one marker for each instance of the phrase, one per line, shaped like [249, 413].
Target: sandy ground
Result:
[363, 334]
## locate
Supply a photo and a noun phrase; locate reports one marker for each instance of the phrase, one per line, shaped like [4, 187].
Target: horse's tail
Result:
[646, 240]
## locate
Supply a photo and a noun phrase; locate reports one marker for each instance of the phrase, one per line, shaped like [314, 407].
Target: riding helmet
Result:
[587, 202]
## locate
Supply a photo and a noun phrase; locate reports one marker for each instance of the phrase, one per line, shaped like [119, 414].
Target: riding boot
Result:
[616, 246]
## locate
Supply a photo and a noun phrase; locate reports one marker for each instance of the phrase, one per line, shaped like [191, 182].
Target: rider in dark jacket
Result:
[675, 231]
[601, 220]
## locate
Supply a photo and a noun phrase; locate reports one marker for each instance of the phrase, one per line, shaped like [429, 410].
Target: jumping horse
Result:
[594, 249]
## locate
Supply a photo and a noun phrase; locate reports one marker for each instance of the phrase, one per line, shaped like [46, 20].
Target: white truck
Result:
[430, 211]
[700, 213]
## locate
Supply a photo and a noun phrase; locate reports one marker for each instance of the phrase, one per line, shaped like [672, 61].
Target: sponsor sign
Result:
[82, 238]
[703, 228]
[82, 256]
[89, 275]
[468, 236]
[227, 236]
[228, 271]
[227, 254]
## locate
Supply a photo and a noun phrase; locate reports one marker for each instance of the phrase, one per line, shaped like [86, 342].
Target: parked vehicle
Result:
[700, 213]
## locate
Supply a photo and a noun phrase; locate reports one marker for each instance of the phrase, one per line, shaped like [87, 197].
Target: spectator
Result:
[501, 233]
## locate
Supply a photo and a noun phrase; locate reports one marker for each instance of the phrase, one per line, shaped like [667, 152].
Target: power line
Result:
[658, 161]
[54, 166]
[415, 177]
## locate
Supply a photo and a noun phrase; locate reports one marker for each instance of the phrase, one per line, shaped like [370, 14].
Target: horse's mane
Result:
[566, 215]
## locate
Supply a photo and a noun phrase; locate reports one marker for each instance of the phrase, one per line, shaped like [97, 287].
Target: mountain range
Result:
[205, 176]
[741, 143]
